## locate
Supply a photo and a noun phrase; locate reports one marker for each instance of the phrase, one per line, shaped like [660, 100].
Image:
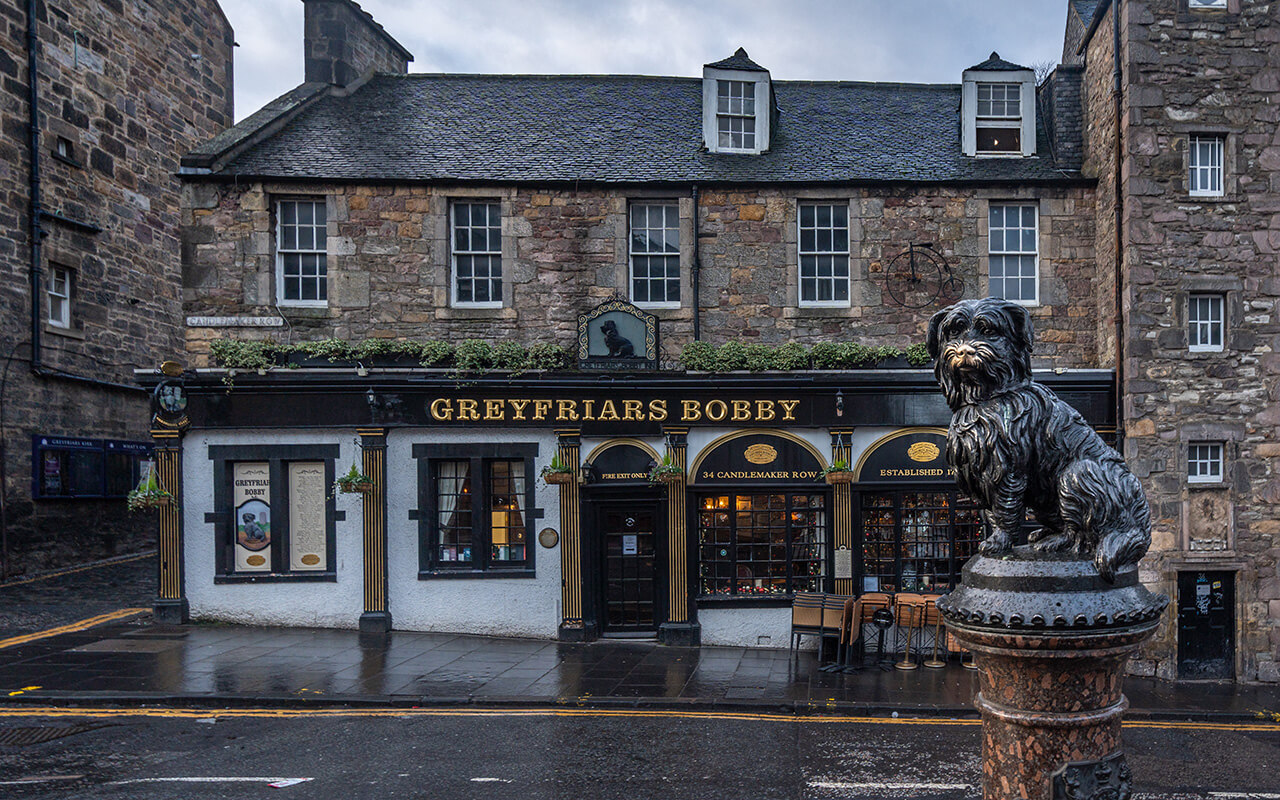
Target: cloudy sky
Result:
[925, 41]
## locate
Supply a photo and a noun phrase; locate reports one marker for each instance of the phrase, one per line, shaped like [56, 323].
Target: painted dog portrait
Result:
[1016, 446]
[619, 345]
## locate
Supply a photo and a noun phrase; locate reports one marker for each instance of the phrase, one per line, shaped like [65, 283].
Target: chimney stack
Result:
[344, 44]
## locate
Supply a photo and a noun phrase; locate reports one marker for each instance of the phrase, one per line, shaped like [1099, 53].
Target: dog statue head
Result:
[981, 348]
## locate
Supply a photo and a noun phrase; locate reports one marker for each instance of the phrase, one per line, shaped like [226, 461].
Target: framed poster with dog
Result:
[616, 335]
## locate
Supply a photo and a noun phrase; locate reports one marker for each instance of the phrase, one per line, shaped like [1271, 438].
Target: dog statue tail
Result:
[1120, 524]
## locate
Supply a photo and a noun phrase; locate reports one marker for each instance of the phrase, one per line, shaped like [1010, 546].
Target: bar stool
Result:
[933, 618]
[911, 613]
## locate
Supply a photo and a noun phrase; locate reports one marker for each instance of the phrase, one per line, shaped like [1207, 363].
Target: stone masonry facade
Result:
[1200, 73]
[565, 251]
[125, 87]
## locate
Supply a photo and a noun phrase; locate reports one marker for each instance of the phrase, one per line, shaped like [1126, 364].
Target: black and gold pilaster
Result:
[373, 463]
[171, 605]
[680, 629]
[842, 513]
[573, 627]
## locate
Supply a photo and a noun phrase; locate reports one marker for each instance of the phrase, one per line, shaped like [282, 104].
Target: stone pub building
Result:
[481, 277]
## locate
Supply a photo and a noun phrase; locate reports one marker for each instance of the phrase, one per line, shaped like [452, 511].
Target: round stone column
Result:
[1050, 639]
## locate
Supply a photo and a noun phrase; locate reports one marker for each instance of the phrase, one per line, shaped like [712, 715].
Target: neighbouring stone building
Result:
[90, 257]
[371, 214]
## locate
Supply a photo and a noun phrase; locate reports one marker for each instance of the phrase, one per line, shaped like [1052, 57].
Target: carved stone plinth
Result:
[1050, 639]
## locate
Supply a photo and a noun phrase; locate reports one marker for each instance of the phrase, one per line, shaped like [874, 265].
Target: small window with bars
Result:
[736, 115]
[1205, 323]
[1204, 462]
[477, 254]
[301, 236]
[1204, 158]
[655, 254]
[824, 254]
[1013, 266]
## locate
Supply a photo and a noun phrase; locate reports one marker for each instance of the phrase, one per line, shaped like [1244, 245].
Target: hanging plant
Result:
[557, 472]
[666, 471]
[148, 495]
[353, 482]
[838, 472]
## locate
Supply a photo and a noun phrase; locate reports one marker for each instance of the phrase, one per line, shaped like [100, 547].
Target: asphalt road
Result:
[408, 753]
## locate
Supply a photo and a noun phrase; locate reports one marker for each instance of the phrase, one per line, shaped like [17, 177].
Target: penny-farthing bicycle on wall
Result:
[920, 277]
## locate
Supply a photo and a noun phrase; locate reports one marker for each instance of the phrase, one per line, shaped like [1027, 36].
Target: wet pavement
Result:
[140, 661]
[35, 603]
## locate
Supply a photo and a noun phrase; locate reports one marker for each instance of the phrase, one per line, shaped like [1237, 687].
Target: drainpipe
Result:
[36, 212]
[697, 272]
[1117, 93]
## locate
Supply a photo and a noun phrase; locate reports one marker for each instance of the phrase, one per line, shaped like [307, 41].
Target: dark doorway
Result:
[1206, 625]
[628, 549]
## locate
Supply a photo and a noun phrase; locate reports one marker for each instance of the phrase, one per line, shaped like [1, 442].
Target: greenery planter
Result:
[667, 477]
[558, 478]
[839, 476]
[361, 487]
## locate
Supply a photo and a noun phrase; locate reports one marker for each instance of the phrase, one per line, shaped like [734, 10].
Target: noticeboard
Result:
[71, 466]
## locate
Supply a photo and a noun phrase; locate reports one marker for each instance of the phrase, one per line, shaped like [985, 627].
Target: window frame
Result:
[847, 254]
[1006, 121]
[677, 256]
[826, 546]
[1194, 168]
[1034, 301]
[454, 252]
[1203, 5]
[1194, 323]
[480, 456]
[65, 298]
[1211, 448]
[319, 248]
[278, 457]
[748, 93]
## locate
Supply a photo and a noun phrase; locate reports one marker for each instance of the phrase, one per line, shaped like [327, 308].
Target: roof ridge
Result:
[681, 78]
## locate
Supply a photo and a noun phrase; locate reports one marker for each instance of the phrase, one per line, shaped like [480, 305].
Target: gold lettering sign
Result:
[923, 452]
[255, 561]
[471, 409]
[761, 454]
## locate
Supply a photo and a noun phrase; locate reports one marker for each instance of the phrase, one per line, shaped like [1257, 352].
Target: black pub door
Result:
[627, 540]
[1206, 624]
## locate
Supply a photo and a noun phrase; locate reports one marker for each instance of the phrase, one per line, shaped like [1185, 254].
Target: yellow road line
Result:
[49, 575]
[300, 713]
[83, 624]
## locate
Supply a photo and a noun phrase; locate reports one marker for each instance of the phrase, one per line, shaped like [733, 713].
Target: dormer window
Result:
[998, 109]
[736, 103]
[999, 122]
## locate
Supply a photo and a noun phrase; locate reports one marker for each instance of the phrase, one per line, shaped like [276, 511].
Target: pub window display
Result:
[480, 529]
[275, 514]
[916, 541]
[475, 510]
[754, 545]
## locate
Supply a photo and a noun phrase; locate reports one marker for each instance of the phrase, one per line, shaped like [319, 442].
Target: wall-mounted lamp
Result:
[839, 402]
[372, 398]
[584, 473]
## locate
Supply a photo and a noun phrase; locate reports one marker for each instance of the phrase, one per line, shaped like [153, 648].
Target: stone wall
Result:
[344, 44]
[1216, 73]
[565, 251]
[126, 87]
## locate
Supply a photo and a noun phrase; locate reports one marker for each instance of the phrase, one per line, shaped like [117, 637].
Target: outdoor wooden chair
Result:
[833, 610]
[868, 604]
[806, 618]
[909, 613]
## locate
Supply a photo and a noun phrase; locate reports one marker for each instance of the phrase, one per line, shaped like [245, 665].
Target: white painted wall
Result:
[743, 627]
[502, 607]
[490, 606]
[317, 605]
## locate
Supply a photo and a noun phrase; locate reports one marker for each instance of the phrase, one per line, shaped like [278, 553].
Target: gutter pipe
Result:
[1117, 93]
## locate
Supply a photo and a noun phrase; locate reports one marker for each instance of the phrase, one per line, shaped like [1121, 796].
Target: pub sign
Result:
[616, 335]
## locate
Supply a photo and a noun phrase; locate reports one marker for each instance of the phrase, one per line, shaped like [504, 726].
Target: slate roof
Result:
[995, 64]
[1085, 9]
[621, 129]
[739, 60]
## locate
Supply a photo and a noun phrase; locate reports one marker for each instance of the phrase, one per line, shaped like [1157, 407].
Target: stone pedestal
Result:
[1050, 640]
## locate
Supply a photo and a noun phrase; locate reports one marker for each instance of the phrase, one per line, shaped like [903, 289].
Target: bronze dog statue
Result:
[1015, 445]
